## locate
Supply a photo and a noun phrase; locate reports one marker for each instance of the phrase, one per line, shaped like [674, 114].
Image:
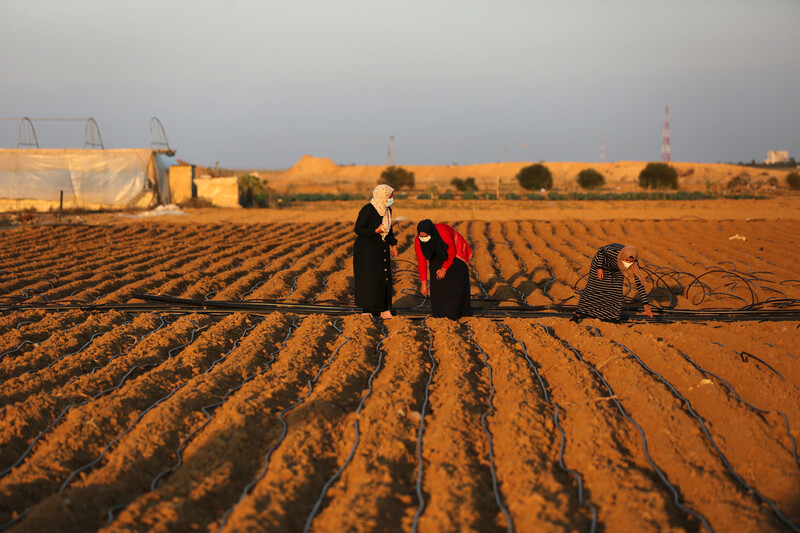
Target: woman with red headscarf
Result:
[602, 296]
[448, 254]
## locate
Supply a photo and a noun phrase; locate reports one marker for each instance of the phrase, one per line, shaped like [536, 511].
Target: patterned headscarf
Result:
[380, 194]
[627, 251]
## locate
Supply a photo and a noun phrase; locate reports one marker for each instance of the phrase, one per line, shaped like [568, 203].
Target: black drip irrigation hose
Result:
[59, 358]
[562, 436]
[688, 407]
[24, 513]
[421, 431]
[92, 464]
[784, 310]
[498, 498]
[757, 410]
[676, 498]
[249, 487]
[332, 480]
[23, 343]
[206, 410]
[324, 288]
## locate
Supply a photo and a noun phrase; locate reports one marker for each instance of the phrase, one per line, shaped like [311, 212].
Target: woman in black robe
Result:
[375, 243]
[447, 253]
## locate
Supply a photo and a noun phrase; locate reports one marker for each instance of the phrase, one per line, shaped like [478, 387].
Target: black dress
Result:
[450, 295]
[371, 267]
[602, 298]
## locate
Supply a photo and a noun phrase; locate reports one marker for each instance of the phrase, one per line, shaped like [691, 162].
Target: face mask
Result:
[389, 202]
[627, 264]
[425, 239]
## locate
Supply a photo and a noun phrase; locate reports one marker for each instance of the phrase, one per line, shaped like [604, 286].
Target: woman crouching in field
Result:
[602, 296]
[375, 241]
[449, 254]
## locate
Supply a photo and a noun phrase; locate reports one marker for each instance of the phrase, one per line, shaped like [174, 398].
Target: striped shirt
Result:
[603, 298]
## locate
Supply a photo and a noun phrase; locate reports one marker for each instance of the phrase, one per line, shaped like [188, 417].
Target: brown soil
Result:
[164, 422]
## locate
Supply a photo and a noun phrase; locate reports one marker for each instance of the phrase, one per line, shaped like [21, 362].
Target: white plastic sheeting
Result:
[115, 178]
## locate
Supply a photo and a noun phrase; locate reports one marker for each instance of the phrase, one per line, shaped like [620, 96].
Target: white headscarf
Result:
[380, 194]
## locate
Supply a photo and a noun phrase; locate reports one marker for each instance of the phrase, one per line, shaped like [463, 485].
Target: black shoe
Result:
[577, 317]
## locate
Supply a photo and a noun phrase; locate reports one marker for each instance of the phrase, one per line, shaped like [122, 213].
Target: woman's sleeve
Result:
[447, 237]
[365, 227]
[599, 258]
[391, 240]
[422, 263]
[642, 291]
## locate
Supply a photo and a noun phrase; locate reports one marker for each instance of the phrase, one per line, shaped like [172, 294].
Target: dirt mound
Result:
[313, 166]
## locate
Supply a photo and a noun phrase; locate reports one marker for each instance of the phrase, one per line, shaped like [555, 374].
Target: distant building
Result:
[776, 156]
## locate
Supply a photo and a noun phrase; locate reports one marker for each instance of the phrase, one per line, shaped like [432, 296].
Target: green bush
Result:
[658, 176]
[535, 177]
[249, 187]
[467, 184]
[793, 180]
[397, 177]
[512, 196]
[469, 195]
[446, 195]
[489, 196]
[589, 178]
[423, 196]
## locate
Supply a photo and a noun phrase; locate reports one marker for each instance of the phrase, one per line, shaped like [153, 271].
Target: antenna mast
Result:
[666, 156]
[602, 147]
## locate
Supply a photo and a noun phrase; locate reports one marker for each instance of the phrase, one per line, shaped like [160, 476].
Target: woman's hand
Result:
[648, 311]
[600, 273]
[378, 229]
[424, 289]
[441, 273]
[393, 250]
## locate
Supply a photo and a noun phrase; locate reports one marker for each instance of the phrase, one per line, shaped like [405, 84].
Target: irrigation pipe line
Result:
[757, 410]
[26, 511]
[332, 480]
[112, 511]
[704, 428]
[421, 431]
[786, 310]
[562, 446]
[71, 405]
[250, 486]
[498, 497]
[90, 465]
[613, 398]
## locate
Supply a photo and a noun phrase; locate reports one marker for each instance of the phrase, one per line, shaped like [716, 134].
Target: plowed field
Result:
[284, 421]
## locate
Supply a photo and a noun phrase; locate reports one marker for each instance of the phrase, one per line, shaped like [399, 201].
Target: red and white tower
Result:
[666, 156]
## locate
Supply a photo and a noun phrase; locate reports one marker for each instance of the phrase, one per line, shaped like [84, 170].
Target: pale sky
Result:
[258, 84]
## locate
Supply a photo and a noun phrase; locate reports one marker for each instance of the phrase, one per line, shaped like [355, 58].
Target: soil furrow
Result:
[228, 453]
[131, 466]
[319, 437]
[674, 440]
[88, 429]
[539, 495]
[456, 477]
